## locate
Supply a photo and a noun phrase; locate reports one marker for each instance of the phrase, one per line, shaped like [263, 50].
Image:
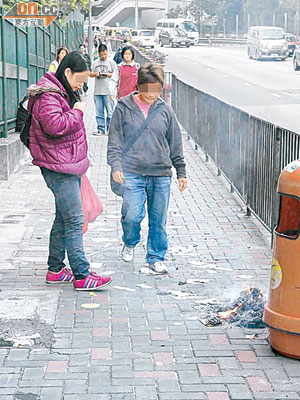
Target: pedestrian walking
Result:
[118, 56]
[83, 51]
[104, 70]
[58, 146]
[61, 53]
[127, 73]
[144, 143]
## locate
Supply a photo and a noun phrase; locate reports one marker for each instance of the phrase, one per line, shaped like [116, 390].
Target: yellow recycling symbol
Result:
[276, 274]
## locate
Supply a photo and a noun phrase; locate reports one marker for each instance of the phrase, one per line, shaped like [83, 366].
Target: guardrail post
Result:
[4, 88]
[277, 171]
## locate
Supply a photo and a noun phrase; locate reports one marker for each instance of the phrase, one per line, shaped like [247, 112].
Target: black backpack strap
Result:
[141, 129]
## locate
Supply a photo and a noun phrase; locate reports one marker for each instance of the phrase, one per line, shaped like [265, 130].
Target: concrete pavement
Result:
[143, 338]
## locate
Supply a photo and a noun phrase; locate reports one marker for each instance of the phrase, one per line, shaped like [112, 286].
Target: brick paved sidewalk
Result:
[142, 341]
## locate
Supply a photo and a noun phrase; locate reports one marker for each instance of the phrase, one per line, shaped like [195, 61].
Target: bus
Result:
[118, 32]
[184, 24]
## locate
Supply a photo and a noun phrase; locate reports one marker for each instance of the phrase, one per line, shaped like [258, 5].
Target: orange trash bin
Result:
[282, 312]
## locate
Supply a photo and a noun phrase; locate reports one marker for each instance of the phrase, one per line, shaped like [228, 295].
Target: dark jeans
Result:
[66, 233]
[136, 190]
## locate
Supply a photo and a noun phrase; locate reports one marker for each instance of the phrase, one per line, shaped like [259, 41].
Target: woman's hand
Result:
[182, 182]
[80, 105]
[118, 177]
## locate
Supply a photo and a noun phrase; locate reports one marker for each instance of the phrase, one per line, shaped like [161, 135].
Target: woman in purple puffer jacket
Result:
[58, 146]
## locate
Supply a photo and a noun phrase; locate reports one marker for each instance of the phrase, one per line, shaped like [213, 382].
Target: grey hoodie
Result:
[158, 148]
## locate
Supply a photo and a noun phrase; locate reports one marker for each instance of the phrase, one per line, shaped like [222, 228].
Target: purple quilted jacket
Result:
[57, 133]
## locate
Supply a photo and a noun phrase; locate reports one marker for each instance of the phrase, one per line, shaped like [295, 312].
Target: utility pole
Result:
[285, 22]
[199, 13]
[236, 26]
[136, 14]
[90, 33]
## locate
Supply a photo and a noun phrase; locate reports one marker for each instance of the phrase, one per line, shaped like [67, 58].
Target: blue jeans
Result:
[66, 233]
[103, 102]
[138, 189]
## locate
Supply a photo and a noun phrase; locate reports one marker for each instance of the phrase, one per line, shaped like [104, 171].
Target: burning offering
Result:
[246, 311]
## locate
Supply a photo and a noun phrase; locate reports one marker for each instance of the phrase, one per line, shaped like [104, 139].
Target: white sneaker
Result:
[127, 253]
[158, 267]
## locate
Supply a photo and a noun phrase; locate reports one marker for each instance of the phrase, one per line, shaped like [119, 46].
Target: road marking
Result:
[225, 75]
[247, 84]
[275, 95]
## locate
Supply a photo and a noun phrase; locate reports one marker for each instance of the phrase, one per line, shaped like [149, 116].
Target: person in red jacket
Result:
[127, 71]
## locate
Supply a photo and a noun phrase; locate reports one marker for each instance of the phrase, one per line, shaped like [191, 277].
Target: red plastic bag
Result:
[91, 204]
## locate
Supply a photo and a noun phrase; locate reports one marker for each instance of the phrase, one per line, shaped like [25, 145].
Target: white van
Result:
[184, 24]
[267, 42]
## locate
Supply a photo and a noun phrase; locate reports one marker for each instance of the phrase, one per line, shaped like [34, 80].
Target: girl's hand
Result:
[118, 177]
[182, 182]
[80, 105]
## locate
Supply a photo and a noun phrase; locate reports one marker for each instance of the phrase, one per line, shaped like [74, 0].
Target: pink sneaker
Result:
[64, 276]
[92, 282]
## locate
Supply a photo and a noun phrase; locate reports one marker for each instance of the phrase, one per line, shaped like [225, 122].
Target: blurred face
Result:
[150, 92]
[127, 56]
[62, 54]
[103, 55]
[82, 49]
[77, 79]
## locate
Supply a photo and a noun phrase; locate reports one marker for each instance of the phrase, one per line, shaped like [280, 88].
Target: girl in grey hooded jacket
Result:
[144, 144]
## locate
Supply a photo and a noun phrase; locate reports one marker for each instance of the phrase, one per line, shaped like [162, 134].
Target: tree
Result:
[175, 12]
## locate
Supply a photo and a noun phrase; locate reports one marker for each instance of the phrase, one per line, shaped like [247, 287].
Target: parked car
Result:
[146, 38]
[292, 42]
[174, 38]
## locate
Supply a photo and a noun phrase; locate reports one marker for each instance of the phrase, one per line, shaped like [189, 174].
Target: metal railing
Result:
[25, 55]
[248, 151]
[223, 41]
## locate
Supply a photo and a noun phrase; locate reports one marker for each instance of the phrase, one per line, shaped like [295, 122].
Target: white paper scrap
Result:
[207, 301]
[143, 286]
[147, 271]
[197, 280]
[124, 288]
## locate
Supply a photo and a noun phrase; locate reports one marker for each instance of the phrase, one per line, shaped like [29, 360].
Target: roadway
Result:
[267, 89]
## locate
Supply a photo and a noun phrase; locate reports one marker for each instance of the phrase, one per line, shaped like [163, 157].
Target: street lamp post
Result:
[89, 30]
[136, 24]
[285, 22]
